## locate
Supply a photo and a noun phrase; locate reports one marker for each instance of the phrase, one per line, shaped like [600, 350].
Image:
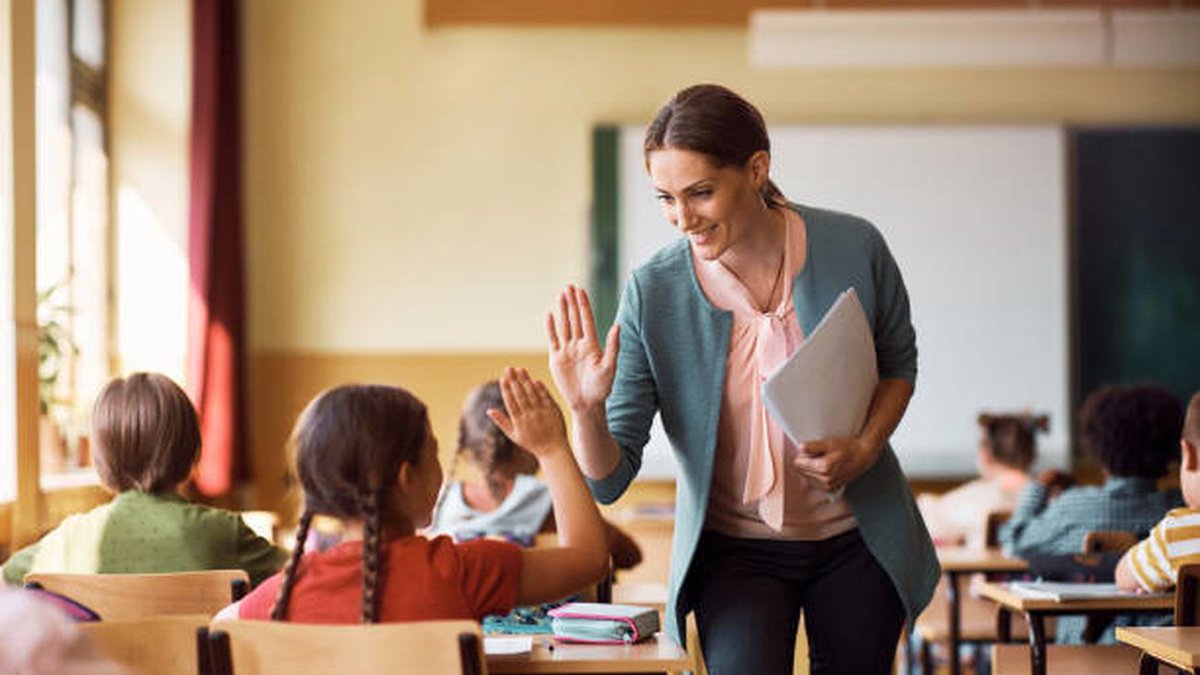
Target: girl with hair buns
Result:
[764, 527]
[1007, 450]
[365, 454]
[503, 497]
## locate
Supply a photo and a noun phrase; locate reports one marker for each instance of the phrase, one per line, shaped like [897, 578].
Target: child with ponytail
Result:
[503, 497]
[365, 454]
[1007, 450]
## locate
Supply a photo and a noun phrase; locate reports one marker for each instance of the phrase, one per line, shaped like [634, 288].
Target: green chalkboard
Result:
[1136, 245]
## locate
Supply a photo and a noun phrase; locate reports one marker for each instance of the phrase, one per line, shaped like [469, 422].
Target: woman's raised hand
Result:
[533, 420]
[583, 372]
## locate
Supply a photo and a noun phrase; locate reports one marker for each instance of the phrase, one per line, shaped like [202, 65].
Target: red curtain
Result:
[216, 305]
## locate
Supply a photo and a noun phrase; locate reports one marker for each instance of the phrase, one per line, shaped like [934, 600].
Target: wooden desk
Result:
[958, 563]
[1068, 659]
[659, 654]
[1178, 646]
[1037, 609]
[640, 593]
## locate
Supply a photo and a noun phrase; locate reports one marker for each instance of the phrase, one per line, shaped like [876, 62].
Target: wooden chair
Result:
[991, 527]
[161, 645]
[1187, 596]
[1108, 541]
[1104, 541]
[135, 596]
[242, 647]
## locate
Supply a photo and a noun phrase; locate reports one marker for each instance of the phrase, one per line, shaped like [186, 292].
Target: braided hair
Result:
[349, 445]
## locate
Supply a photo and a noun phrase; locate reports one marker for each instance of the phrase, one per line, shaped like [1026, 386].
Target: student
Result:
[1153, 564]
[504, 498]
[147, 439]
[1007, 448]
[1132, 431]
[365, 454]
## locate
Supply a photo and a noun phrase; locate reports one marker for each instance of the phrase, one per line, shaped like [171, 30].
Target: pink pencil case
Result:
[602, 623]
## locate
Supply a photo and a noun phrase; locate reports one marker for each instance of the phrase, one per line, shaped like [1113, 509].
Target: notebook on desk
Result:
[1069, 590]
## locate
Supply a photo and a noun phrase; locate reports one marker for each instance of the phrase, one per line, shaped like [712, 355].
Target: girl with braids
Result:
[503, 499]
[365, 454]
[1007, 450]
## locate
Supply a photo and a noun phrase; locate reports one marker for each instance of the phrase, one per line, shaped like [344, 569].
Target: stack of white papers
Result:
[825, 388]
[497, 645]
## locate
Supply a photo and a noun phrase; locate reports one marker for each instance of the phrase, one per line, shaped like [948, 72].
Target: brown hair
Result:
[348, 445]
[1191, 422]
[481, 441]
[713, 121]
[146, 434]
[1011, 438]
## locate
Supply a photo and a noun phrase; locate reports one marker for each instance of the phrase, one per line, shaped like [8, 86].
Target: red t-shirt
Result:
[422, 579]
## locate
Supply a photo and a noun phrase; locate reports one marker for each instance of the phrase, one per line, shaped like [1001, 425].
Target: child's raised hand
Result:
[534, 420]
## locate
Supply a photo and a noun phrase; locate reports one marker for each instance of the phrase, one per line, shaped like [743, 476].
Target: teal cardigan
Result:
[673, 349]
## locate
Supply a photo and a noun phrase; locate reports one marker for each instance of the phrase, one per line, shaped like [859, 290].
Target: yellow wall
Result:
[415, 193]
[415, 198]
[414, 190]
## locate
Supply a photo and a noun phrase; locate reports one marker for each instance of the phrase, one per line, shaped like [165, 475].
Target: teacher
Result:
[764, 527]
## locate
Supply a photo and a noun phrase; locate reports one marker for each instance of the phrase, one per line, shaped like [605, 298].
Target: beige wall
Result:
[414, 190]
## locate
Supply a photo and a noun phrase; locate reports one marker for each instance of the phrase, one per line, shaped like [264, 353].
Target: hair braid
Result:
[279, 611]
[372, 523]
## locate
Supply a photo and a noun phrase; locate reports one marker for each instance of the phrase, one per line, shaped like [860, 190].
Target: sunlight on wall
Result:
[149, 99]
[152, 285]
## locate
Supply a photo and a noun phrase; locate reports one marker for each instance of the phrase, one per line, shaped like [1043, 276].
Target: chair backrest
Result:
[243, 647]
[1108, 541]
[162, 645]
[136, 596]
[1187, 595]
[991, 531]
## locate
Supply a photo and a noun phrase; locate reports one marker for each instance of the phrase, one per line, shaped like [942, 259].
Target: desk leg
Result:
[1003, 625]
[952, 579]
[1037, 642]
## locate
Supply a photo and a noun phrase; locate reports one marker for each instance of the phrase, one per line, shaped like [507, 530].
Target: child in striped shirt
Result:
[1153, 564]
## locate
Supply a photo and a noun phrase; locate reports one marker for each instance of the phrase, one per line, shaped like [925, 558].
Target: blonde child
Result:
[503, 498]
[147, 439]
[365, 454]
[1153, 564]
[1007, 448]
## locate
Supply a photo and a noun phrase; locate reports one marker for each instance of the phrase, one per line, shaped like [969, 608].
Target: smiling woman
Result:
[699, 326]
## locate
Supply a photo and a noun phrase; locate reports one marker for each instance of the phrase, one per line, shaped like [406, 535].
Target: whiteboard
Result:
[976, 219]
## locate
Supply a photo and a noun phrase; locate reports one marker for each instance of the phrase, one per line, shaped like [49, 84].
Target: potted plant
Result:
[55, 349]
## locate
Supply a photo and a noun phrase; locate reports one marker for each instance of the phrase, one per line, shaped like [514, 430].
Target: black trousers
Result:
[748, 594]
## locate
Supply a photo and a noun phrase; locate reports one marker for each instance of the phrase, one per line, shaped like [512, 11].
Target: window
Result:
[73, 233]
